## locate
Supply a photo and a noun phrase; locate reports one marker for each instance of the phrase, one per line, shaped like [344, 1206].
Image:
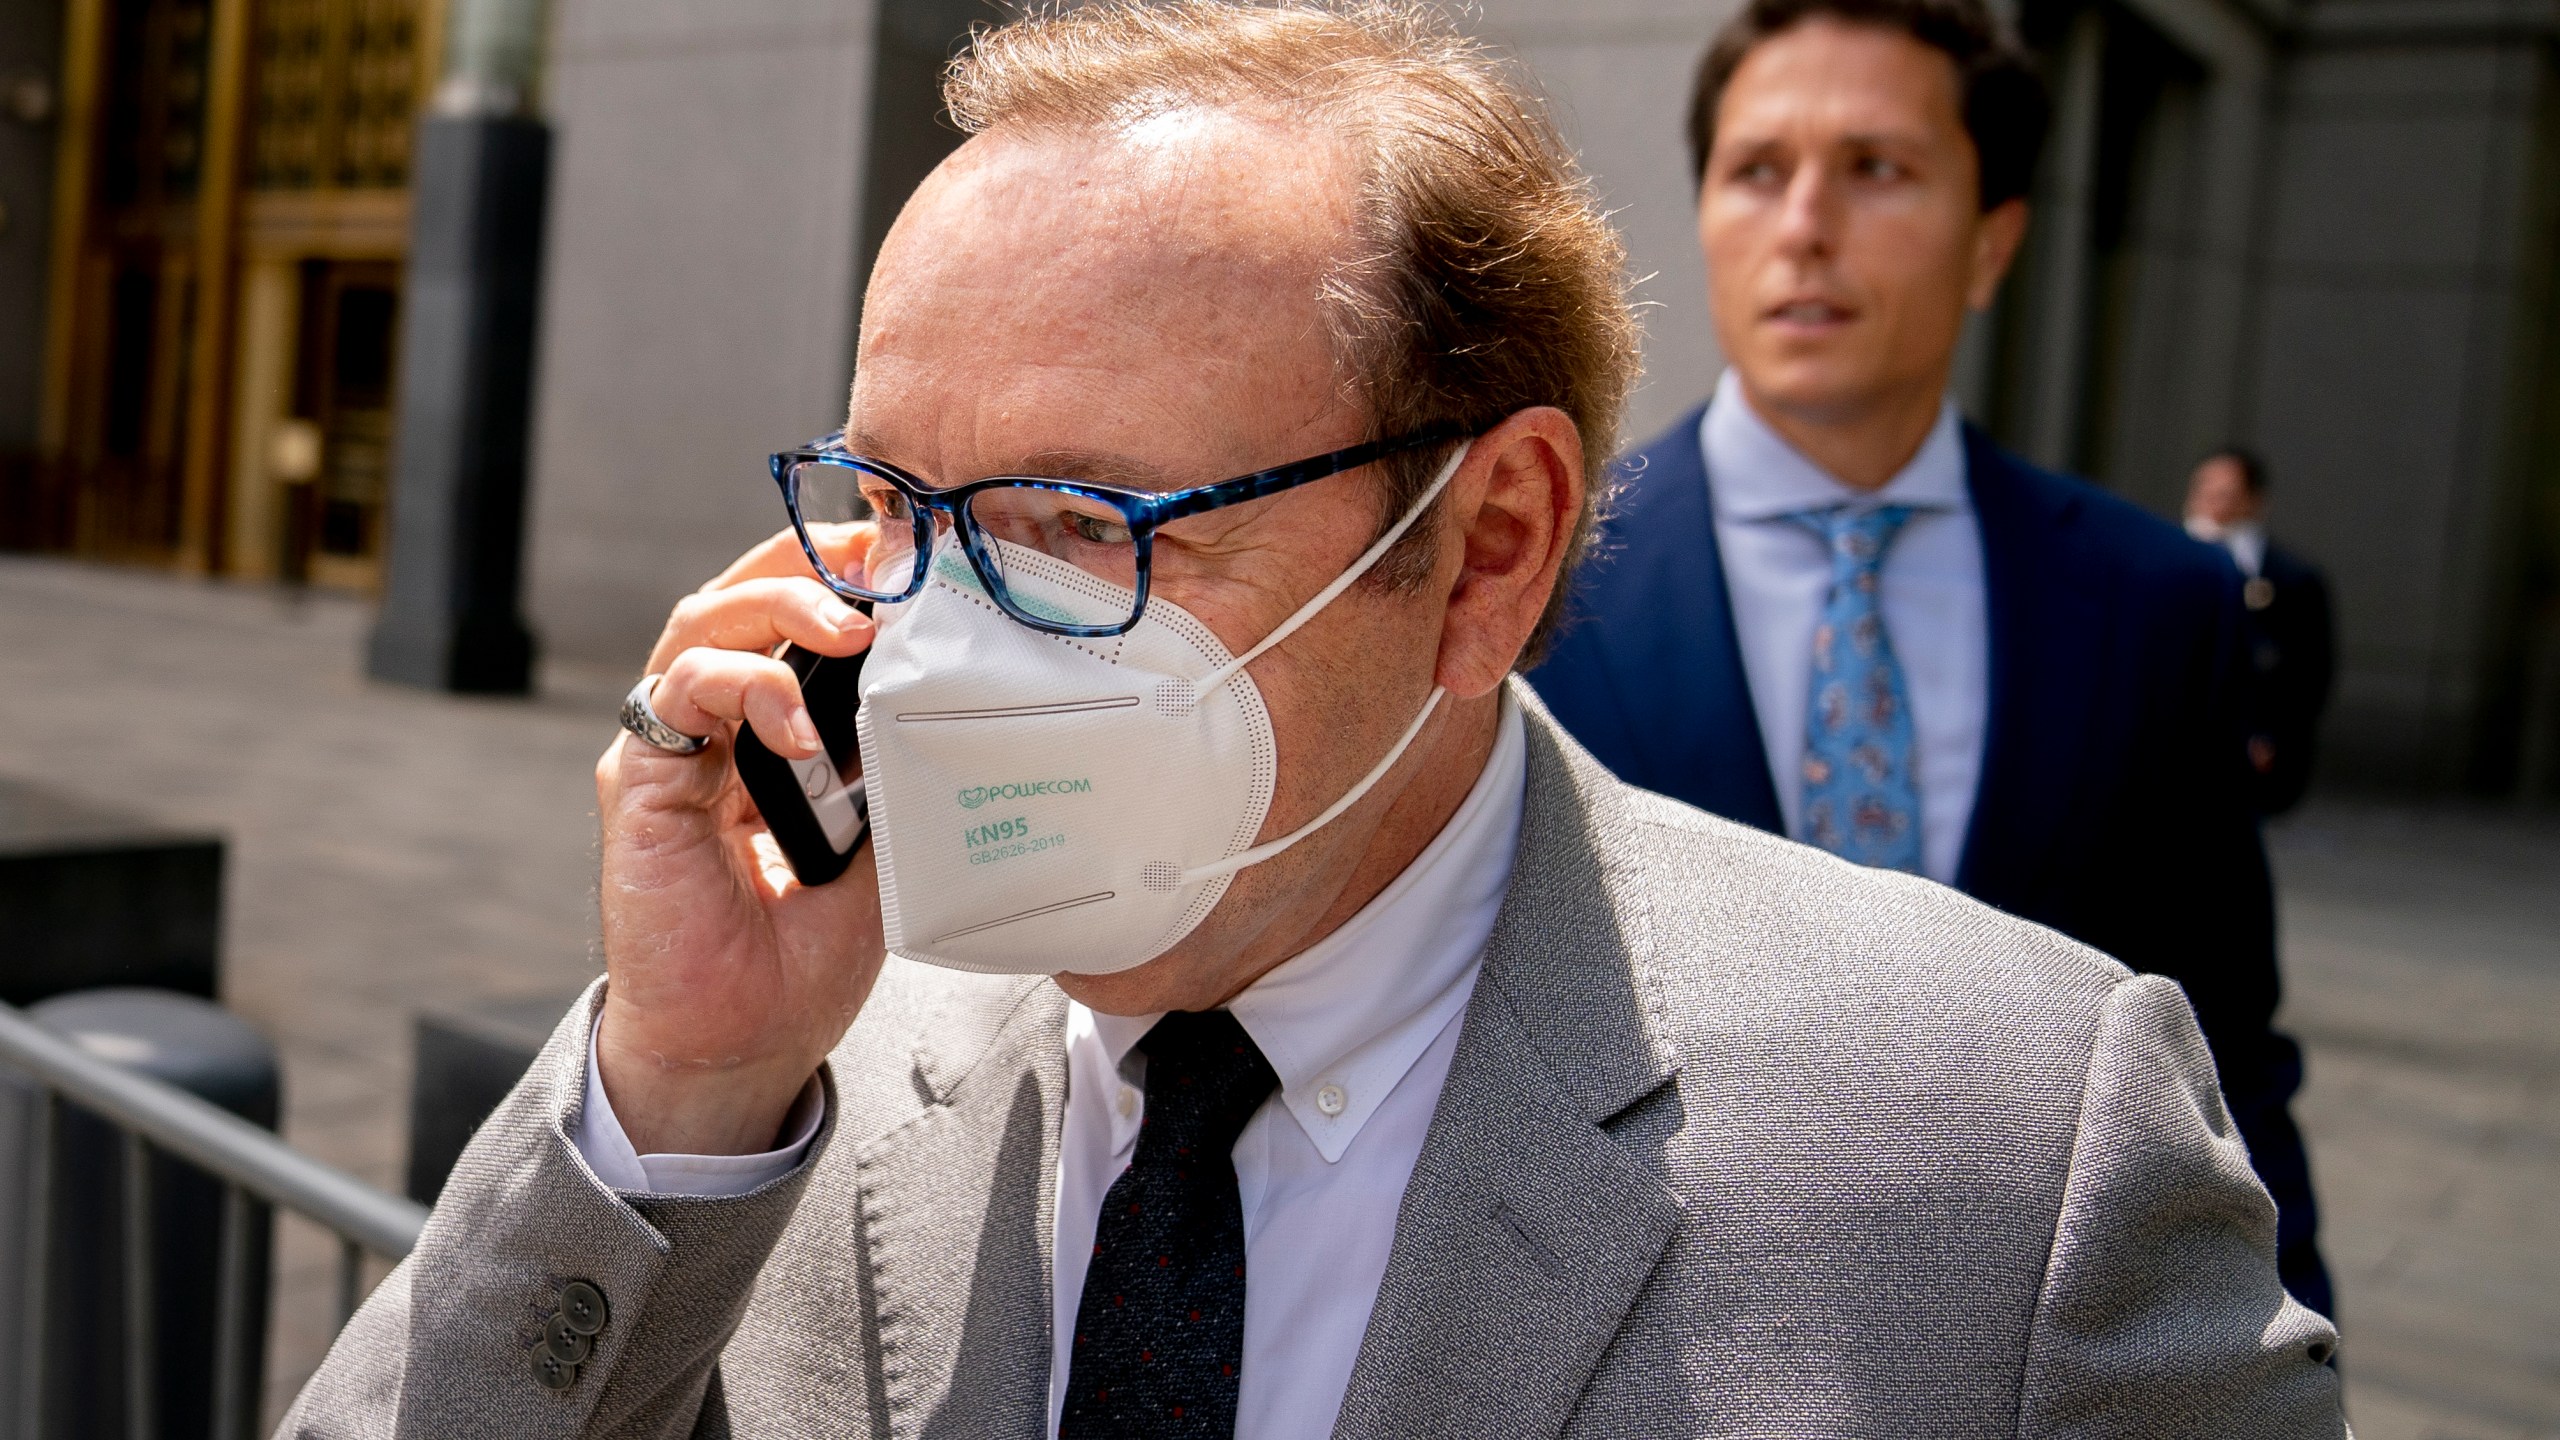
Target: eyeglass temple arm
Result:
[1288, 477]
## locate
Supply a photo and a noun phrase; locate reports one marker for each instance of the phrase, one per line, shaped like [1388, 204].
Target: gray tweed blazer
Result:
[1739, 1140]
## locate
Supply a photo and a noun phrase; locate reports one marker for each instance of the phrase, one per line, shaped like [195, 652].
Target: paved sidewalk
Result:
[2422, 960]
[392, 850]
[389, 850]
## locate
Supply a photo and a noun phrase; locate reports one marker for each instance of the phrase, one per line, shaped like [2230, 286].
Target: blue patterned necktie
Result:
[1861, 800]
[1160, 1329]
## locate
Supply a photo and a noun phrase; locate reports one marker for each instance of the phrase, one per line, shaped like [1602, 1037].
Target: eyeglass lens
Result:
[840, 506]
[864, 528]
[1088, 534]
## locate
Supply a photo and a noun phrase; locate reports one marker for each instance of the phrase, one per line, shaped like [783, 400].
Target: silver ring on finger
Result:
[643, 721]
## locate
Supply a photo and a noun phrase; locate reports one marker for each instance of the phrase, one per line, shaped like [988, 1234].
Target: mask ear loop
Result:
[1341, 582]
[1350, 797]
[1259, 853]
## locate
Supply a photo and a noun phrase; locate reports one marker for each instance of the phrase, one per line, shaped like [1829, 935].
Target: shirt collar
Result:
[1754, 474]
[2244, 540]
[1342, 1021]
[2247, 542]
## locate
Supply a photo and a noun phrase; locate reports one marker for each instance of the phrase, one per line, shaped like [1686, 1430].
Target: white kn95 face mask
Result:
[1043, 803]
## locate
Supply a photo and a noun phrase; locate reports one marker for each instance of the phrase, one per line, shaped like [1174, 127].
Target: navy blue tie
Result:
[1159, 1350]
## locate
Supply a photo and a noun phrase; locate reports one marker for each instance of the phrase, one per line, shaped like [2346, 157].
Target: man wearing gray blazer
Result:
[1252, 1015]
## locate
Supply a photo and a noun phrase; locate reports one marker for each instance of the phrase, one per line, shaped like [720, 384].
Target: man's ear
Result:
[1995, 247]
[1511, 510]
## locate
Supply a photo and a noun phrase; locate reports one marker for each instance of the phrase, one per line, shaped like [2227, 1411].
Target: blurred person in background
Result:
[2293, 643]
[1403, 1073]
[1828, 607]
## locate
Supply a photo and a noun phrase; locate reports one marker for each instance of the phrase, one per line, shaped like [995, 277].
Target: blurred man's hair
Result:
[2253, 470]
[1481, 279]
[2006, 110]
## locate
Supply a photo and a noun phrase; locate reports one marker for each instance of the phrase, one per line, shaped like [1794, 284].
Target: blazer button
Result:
[582, 1306]
[565, 1344]
[550, 1371]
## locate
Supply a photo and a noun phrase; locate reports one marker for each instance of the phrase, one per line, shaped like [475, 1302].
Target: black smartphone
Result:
[814, 807]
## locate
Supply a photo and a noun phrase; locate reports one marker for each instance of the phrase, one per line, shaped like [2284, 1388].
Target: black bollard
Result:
[468, 1059]
[93, 896]
[86, 1385]
[449, 601]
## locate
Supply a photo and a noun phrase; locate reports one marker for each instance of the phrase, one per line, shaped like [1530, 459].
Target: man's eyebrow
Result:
[1746, 143]
[1100, 467]
[1097, 466]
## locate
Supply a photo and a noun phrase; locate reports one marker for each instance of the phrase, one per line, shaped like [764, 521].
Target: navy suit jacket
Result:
[2116, 803]
[2296, 654]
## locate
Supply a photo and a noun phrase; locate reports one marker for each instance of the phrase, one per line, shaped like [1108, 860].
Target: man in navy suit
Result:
[2293, 644]
[1830, 608]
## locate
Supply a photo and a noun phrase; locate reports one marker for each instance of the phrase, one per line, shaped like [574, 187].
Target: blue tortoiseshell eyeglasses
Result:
[1106, 531]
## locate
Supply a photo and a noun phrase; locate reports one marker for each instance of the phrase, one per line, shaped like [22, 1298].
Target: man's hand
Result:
[730, 980]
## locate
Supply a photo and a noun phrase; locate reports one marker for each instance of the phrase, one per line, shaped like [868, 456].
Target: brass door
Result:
[136, 286]
[230, 215]
[350, 340]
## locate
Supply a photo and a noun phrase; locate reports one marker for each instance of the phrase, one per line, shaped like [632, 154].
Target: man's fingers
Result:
[760, 614]
[780, 555]
[777, 554]
[706, 689]
[844, 544]
[676, 782]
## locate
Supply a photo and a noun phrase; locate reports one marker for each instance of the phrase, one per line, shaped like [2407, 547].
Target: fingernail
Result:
[840, 615]
[804, 731]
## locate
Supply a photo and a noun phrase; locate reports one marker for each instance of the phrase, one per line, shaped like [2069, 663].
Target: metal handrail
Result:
[249, 1161]
[199, 1131]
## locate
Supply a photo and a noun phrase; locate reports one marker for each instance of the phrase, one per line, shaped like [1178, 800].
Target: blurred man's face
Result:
[1841, 217]
[1143, 308]
[2218, 494]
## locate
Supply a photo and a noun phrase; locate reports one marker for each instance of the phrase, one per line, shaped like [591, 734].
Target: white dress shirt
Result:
[1778, 574]
[609, 1152]
[1361, 1028]
[2245, 540]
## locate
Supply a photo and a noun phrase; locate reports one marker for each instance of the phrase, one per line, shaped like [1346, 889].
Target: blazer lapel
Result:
[2051, 638]
[958, 1276]
[1527, 1230]
[1678, 670]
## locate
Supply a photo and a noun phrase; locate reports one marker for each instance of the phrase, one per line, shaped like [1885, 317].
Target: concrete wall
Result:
[1618, 73]
[698, 296]
[2402, 270]
[30, 46]
[2116, 345]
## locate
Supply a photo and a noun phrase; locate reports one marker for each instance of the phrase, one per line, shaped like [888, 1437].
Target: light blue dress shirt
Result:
[1778, 574]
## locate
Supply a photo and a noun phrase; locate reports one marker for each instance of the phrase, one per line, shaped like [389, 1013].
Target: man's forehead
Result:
[1853, 79]
[1183, 196]
[1061, 302]
[1105, 467]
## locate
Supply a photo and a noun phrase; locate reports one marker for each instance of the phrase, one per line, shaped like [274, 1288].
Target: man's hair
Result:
[2006, 110]
[2253, 470]
[1481, 278]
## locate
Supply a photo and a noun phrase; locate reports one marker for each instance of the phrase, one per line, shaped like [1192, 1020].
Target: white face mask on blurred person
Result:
[1043, 803]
